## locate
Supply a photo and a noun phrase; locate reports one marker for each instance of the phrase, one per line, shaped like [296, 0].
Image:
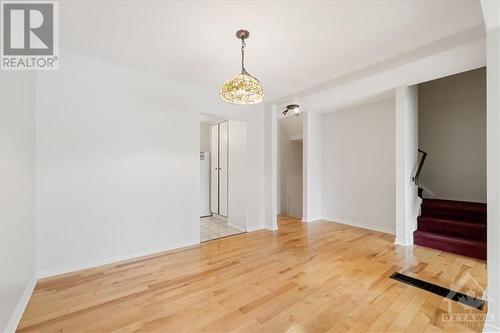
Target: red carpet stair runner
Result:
[453, 226]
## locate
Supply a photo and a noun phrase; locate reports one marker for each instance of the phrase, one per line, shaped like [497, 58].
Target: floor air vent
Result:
[456, 296]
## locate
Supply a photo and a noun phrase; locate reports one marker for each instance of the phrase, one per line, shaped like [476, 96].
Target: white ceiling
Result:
[293, 45]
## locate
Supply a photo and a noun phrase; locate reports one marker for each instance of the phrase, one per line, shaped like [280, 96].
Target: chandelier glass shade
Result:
[242, 88]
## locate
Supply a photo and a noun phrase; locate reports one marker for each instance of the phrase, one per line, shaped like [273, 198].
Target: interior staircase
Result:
[453, 226]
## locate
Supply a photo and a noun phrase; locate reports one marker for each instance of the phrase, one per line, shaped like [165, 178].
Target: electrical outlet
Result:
[163, 228]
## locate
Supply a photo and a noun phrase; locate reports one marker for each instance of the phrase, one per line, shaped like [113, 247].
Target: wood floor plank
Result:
[305, 277]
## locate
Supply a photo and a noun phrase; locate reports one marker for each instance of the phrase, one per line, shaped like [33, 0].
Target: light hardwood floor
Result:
[315, 277]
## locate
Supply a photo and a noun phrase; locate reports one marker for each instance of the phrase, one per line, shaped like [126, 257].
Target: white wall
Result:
[270, 189]
[256, 204]
[493, 173]
[17, 196]
[290, 178]
[294, 126]
[312, 166]
[118, 163]
[237, 174]
[452, 130]
[407, 200]
[281, 148]
[491, 14]
[204, 136]
[358, 166]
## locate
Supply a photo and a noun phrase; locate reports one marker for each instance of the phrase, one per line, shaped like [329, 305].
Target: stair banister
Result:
[415, 177]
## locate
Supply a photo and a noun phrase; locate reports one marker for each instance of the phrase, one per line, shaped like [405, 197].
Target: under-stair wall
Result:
[452, 130]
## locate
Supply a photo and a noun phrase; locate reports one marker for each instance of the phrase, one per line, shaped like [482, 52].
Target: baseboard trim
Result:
[42, 274]
[273, 228]
[236, 227]
[255, 228]
[311, 219]
[401, 242]
[360, 225]
[21, 306]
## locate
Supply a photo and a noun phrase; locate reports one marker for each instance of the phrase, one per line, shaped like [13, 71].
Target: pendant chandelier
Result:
[242, 88]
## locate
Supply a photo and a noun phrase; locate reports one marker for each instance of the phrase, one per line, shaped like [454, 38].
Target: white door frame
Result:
[491, 14]
[311, 171]
[271, 167]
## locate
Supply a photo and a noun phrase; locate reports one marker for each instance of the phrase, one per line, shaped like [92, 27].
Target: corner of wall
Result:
[21, 306]
[17, 195]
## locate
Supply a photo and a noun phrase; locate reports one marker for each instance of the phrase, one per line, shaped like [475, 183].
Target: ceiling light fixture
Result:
[294, 108]
[242, 88]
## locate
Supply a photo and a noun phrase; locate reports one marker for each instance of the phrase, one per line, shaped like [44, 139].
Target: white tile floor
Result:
[212, 227]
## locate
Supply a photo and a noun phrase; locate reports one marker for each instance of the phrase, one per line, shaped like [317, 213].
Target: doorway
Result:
[289, 168]
[222, 178]
[451, 176]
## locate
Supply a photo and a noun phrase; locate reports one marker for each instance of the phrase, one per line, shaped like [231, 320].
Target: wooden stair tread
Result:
[477, 207]
[448, 238]
[458, 245]
[440, 220]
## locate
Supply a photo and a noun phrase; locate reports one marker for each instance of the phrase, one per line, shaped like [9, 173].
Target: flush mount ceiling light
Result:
[242, 88]
[294, 108]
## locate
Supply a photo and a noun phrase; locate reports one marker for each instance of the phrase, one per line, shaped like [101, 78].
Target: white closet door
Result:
[223, 165]
[214, 169]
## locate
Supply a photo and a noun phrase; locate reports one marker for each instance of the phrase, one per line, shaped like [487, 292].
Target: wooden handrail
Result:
[419, 168]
